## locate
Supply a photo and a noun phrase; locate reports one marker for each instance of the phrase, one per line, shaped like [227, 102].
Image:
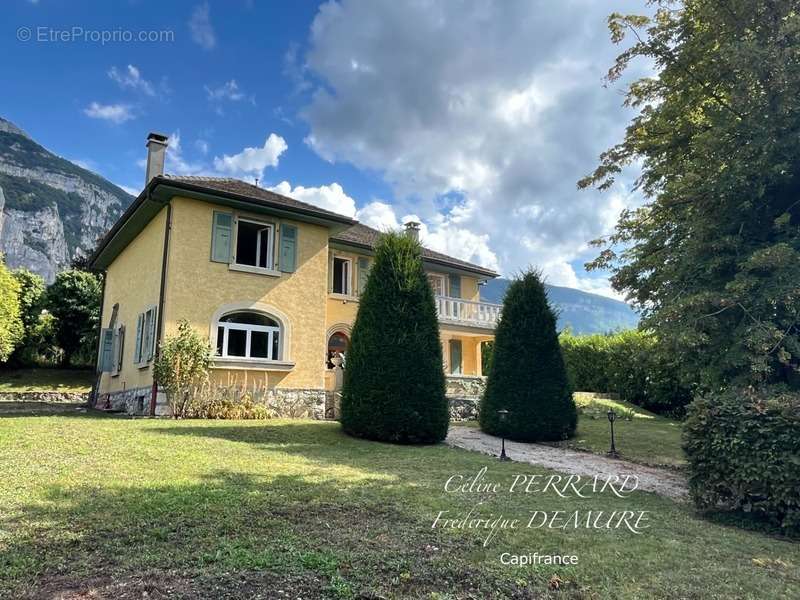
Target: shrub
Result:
[394, 385]
[38, 342]
[527, 375]
[743, 448]
[11, 328]
[182, 367]
[631, 364]
[74, 300]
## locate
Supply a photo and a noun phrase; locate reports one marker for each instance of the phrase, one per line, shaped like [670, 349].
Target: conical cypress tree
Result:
[394, 386]
[527, 376]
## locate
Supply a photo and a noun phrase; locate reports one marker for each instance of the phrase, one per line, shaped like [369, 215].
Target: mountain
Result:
[51, 210]
[582, 312]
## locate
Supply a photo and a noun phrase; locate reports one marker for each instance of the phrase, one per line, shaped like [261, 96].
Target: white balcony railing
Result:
[465, 312]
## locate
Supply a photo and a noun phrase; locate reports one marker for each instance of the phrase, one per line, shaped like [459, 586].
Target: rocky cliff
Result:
[51, 210]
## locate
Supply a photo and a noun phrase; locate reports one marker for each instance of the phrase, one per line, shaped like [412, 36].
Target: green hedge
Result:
[630, 364]
[743, 447]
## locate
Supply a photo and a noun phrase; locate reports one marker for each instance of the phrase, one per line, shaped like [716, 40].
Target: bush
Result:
[394, 385]
[527, 376]
[74, 300]
[11, 328]
[630, 364]
[182, 367]
[743, 447]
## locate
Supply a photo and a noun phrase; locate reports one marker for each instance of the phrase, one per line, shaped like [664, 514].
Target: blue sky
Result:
[476, 117]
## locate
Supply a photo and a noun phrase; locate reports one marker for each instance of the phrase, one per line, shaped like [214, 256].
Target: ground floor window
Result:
[248, 335]
[337, 345]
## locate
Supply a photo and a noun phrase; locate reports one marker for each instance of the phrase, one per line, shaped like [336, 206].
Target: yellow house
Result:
[273, 282]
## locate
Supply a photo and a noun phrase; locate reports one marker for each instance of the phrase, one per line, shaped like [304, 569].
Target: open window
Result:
[249, 335]
[342, 268]
[255, 244]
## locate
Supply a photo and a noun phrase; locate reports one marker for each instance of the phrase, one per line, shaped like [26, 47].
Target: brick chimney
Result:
[156, 152]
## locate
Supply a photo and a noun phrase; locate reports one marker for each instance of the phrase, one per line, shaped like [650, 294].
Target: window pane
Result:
[341, 276]
[237, 342]
[248, 318]
[247, 242]
[275, 346]
[220, 339]
[259, 344]
[264, 258]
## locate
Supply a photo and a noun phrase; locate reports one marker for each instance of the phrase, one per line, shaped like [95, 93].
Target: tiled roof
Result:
[242, 188]
[357, 234]
[361, 235]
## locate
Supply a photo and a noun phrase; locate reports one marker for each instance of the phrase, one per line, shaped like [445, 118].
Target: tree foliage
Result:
[36, 343]
[11, 328]
[394, 387]
[74, 300]
[527, 376]
[713, 257]
[182, 366]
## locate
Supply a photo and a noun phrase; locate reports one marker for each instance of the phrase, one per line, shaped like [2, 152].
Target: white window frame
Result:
[271, 331]
[117, 349]
[147, 351]
[269, 269]
[438, 277]
[347, 277]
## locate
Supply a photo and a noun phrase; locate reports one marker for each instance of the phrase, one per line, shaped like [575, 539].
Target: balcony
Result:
[455, 311]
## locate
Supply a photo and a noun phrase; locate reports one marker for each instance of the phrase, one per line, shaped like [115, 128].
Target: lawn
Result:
[46, 380]
[113, 507]
[640, 436]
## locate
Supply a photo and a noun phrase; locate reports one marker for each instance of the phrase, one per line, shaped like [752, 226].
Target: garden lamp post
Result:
[503, 414]
[612, 416]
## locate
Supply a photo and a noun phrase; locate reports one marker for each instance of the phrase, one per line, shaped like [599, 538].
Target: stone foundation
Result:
[54, 397]
[464, 395]
[135, 401]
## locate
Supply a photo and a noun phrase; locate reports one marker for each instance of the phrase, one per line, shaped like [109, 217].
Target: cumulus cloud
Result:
[253, 161]
[482, 116]
[330, 197]
[131, 78]
[200, 27]
[115, 113]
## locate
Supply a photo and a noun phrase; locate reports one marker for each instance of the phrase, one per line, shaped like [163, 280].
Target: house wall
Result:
[197, 288]
[133, 281]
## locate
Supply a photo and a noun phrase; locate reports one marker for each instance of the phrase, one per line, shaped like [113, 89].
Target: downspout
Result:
[98, 373]
[161, 294]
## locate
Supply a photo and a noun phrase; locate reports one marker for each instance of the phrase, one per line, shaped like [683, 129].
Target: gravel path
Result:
[660, 481]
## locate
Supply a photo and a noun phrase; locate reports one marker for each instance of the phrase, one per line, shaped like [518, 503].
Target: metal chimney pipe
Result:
[412, 230]
[156, 153]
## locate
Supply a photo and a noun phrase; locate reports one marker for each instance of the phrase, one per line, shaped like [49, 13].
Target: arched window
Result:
[248, 335]
[337, 344]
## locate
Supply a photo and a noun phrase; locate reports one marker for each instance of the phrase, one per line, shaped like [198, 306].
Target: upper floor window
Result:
[248, 335]
[342, 268]
[254, 243]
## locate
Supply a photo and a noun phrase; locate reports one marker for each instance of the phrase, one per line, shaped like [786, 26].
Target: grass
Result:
[46, 380]
[115, 507]
[640, 436]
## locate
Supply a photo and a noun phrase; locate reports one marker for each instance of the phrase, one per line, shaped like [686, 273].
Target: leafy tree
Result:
[11, 329]
[713, 257]
[527, 376]
[32, 300]
[394, 387]
[182, 366]
[74, 300]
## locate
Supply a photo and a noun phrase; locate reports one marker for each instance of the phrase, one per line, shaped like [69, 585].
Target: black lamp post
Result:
[612, 416]
[503, 414]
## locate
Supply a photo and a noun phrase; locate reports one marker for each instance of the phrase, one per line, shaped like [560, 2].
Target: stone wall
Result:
[57, 397]
[464, 395]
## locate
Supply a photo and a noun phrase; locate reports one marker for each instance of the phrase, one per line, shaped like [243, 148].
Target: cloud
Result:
[131, 190]
[229, 90]
[116, 113]
[202, 146]
[201, 28]
[253, 161]
[481, 116]
[330, 197]
[176, 163]
[131, 78]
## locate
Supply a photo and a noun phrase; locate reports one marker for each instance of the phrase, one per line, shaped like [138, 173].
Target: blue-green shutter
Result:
[221, 237]
[151, 334]
[455, 286]
[455, 357]
[363, 273]
[288, 256]
[106, 350]
[137, 351]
